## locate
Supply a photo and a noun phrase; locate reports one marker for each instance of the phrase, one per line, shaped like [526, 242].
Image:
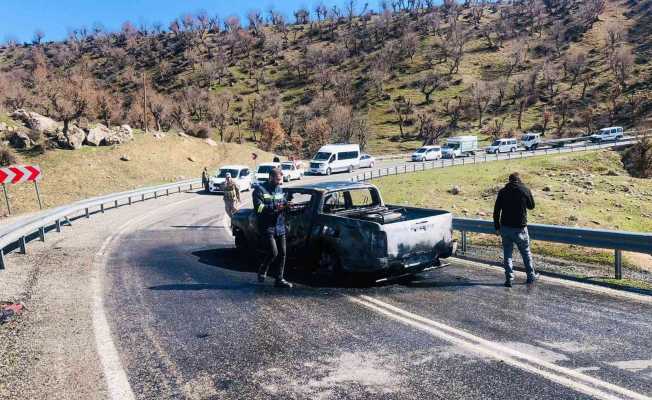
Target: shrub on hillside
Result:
[7, 156]
[638, 159]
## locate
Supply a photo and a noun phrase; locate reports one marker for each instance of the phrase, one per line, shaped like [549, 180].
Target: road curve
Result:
[189, 320]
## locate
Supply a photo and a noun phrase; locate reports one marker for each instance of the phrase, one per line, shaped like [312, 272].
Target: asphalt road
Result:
[189, 320]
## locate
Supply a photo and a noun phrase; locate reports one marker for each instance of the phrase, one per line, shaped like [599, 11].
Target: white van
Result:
[335, 158]
[531, 140]
[427, 153]
[503, 146]
[606, 134]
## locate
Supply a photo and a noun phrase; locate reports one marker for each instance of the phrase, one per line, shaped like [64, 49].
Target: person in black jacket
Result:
[270, 204]
[510, 221]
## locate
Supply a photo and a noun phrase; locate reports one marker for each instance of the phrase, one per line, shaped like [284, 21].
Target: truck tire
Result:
[350, 169]
[328, 171]
[241, 243]
[329, 266]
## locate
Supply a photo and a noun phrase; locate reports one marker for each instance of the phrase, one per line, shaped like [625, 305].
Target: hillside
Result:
[74, 175]
[393, 78]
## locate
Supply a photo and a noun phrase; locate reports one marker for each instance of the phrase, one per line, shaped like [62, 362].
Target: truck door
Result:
[299, 220]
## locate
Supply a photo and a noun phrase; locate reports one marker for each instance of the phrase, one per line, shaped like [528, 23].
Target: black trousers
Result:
[276, 252]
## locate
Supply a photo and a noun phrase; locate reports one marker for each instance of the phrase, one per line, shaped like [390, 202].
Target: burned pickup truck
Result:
[344, 227]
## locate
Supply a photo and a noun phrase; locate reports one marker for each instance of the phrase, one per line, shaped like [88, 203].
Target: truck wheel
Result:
[512, 150]
[350, 169]
[329, 266]
[328, 171]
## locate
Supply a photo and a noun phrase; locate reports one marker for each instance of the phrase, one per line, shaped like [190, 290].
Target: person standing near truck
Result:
[204, 179]
[270, 204]
[231, 195]
[510, 221]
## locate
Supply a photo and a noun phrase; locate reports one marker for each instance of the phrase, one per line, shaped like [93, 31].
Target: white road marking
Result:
[566, 282]
[569, 378]
[115, 375]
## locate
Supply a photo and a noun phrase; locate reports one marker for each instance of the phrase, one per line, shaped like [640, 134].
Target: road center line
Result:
[115, 375]
[569, 378]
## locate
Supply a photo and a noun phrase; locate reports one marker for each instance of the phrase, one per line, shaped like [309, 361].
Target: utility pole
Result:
[145, 104]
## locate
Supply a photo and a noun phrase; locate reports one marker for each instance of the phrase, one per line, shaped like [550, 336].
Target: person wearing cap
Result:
[231, 195]
[270, 204]
[510, 221]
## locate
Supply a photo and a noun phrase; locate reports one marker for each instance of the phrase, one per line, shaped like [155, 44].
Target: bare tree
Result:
[220, 105]
[403, 109]
[621, 63]
[429, 130]
[431, 82]
[38, 37]
[562, 109]
[69, 97]
[481, 94]
[575, 63]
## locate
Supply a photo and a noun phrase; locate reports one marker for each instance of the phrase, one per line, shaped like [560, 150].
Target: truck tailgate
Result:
[409, 238]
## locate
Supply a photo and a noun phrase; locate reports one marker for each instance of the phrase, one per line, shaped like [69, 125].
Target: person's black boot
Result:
[508, 283]
[532, 278]
[282, 283]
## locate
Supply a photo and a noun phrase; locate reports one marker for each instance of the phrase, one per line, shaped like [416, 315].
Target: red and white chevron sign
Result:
[20, 173]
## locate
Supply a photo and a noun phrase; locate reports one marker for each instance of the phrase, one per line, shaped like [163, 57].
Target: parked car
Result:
[335, 158]
[239, 173]
[530, 141]
[367, 161]
[427, 153]
[290, 171]
[607, 134]
[503, 146]
[460, 146]
[262, 173]
[345, 227]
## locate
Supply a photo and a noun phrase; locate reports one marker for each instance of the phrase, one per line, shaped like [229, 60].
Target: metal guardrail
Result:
[618, 241]
[39, 224]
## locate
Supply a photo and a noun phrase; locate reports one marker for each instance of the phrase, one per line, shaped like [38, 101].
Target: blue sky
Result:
[21, 18]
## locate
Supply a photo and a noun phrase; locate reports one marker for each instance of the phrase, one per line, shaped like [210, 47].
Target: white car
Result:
[291, 171]
[239, 173]
[607, 134]
[262, 173]
[367, 161]
[503, 146]
[427, 153]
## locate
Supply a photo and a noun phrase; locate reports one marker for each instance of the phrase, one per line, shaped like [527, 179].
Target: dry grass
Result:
[73, 175]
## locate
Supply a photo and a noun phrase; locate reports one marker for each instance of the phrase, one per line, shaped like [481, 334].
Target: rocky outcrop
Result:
[119, 135]
[72, 140]
[97, 135]
[21, 140]
[36, 121]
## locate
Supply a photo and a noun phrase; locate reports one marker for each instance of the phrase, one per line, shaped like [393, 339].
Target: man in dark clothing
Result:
[205, 178]
[270, 205]
[510, 221]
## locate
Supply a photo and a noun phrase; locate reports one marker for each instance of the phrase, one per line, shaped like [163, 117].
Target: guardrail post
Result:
[167, 192]
[179, 187]
[155, 195]
[116, 204]
[58, 224]
[88, 214]
[618, 264]
[129, 200]
[191, 186]
[142, 197]
[2, 259]
[23, 245]
[102, 208]
[41, 233]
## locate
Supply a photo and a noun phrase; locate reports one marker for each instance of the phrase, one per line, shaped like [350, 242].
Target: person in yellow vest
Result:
[231, 195]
